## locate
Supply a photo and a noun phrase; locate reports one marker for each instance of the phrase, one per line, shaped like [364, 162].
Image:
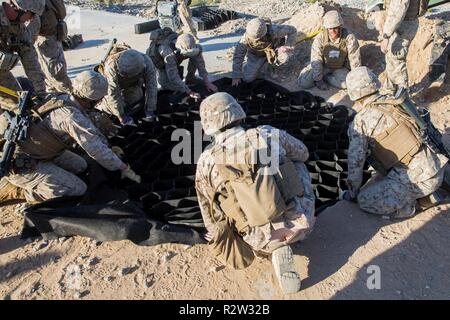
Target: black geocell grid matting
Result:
[168, 189]
[213, 17]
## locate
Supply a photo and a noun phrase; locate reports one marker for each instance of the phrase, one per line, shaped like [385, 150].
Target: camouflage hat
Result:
[361, 82]
[218, 111]
[256, 28]
[35, 6]
[187, 46]
[130, 63]
[332, 19]
[90, 85]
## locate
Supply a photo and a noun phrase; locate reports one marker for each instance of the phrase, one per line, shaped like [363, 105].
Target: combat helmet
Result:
[219, 111]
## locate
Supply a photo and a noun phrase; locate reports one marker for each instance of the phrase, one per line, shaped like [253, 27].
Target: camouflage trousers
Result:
[32, 67]
[292, 226]
[389, 196]
[166, 84]
[397, 52]
[51, 179]
[254, 67]
[257, 67]
[53, 64]
[334, 77]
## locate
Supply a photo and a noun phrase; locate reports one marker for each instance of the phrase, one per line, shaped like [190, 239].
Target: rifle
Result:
[430, 135]
[100, 67]
[111, 46]
[16, 131]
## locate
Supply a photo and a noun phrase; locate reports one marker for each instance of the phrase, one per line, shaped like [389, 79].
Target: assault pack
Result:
[258, 190]
[157, 38]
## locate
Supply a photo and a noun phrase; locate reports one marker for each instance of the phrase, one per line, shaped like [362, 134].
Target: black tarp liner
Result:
[106, 214]
[164, 207]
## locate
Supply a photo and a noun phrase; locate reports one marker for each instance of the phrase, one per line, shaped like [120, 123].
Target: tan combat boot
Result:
[284, 266]
[9, 192]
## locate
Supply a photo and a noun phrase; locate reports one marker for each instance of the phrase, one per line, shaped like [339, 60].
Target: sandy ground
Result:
[412, 255]
[334, 262]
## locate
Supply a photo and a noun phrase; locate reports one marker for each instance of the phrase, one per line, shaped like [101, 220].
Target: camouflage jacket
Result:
[71, 124]
[278, 32]
[16, 38]
[12, 36]
[116, 95]
[317, 48]
[172, 61]
[208, 179]
[370, 122]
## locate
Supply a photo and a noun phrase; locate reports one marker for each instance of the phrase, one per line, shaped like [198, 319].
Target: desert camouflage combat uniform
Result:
[169, 75]
[300, 219]
[16, 38]
[51, 52]
[400, 27]
[332, 69]
[397, 192]
[257, 61]
[43, 177]
[131, 79]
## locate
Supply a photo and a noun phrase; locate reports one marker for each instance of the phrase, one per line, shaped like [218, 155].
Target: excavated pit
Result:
[168, 189]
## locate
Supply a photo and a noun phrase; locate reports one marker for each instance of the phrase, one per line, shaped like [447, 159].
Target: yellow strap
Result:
[311, 35]
[9, 92]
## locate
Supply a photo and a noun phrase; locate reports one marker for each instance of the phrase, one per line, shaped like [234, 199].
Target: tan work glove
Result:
[130, 174]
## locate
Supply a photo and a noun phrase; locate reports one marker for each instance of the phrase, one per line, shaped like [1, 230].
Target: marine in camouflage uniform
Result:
[15, 39]
[43, 167]
[400, 27]
[132, 80]
[222, 111]
[50, 49]
[417, 175]
[171, 51]
[331, 60]
[263, 44]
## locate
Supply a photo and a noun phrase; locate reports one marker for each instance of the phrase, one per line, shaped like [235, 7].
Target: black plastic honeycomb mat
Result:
[212, 17]
[205, 18]
[167, 192]
[104, 213]
[321, 126]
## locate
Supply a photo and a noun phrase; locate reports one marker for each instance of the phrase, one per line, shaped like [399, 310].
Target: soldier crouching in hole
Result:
[253, 206]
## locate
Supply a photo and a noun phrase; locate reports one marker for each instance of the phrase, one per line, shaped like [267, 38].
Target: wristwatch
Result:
[385, 36]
